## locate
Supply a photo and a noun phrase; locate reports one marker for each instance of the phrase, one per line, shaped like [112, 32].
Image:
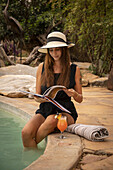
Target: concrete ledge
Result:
[59, 154]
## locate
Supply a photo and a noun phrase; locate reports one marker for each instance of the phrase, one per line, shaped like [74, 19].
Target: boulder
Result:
[18, 69]
[83, 65]
[89, 79]
[102, 82]
[110, 80]
[11, 84]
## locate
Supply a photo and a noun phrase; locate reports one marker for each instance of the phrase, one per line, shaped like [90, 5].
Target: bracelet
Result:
[77, 95]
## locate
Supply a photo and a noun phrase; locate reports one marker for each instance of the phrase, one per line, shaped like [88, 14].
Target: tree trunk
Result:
[32, 56]
[4, 58]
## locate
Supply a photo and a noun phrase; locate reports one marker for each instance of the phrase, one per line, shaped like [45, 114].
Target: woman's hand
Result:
[73, 93]
[76, 92]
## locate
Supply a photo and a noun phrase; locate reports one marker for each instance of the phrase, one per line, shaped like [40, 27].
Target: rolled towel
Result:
[90, 132]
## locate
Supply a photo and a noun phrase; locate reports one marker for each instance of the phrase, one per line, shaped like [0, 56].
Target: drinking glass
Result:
[62, 125]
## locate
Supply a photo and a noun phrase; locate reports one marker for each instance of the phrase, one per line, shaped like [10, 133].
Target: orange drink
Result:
[62, 124]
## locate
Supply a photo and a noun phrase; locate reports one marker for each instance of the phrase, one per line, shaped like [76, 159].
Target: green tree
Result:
[89, 23]
[91, 26]
[35, 17]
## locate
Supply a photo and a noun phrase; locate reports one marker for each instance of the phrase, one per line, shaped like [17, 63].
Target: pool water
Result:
[12, 154]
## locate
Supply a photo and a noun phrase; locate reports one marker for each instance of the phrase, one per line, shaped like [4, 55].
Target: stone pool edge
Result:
[59, 154]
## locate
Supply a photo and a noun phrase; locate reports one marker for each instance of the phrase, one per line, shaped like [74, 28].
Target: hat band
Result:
[50, 39]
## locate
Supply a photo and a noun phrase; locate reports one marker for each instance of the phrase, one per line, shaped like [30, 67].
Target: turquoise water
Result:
[12, 154]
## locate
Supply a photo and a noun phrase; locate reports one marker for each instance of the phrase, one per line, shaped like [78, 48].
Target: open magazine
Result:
[49, 96]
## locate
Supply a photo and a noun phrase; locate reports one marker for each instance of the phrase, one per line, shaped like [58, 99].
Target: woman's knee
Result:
[51, 122]
[26, 134]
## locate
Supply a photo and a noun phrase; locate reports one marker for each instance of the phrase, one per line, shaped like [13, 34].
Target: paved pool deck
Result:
[74, 152]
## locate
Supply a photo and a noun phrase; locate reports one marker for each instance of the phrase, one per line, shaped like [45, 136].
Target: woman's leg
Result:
[46, 128]
[70, 119]
[38, 128]
[49, 125]
[30, 129]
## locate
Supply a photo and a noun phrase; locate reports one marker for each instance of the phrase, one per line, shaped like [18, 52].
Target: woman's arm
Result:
[38, 78]
[78, 87]
[76, 93]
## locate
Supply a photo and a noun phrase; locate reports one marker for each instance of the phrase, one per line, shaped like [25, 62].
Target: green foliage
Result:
[34, 17]
[89, 22]
[91, 25]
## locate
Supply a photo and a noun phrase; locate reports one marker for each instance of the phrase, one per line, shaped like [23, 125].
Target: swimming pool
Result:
[12, 154]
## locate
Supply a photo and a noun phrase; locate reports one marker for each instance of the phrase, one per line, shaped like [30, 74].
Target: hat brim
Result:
[44, 48]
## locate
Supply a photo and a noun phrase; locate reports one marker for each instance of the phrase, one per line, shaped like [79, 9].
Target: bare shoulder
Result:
[40, 66]
[77, 70]
[78, 75]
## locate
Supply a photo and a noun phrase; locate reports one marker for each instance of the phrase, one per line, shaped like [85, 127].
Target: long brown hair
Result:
[48, 74]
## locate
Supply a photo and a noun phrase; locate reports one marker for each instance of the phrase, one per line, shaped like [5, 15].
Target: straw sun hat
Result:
[55, 39]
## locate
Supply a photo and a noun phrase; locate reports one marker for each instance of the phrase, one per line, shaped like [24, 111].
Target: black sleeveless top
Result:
[56, 76]
[47, 108]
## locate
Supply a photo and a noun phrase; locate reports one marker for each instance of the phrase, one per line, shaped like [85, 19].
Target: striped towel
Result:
[90, 132]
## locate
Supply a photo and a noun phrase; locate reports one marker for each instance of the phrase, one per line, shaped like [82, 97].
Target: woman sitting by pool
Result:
[56, 70]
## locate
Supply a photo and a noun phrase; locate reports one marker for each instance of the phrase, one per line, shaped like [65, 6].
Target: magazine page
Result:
[53, 90]
[44, 98]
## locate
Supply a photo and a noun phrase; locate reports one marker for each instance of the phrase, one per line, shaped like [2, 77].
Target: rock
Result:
[87, 77]
[89, 158]
[83, 65]
[110, 80]
[18, 69]
[85, 83]
[104, 164]
[99, 82]
[11, 84]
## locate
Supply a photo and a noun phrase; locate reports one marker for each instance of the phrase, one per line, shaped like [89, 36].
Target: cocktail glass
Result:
[62, 125]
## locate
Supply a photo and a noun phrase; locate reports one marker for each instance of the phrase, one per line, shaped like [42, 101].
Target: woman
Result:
[56, 70]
